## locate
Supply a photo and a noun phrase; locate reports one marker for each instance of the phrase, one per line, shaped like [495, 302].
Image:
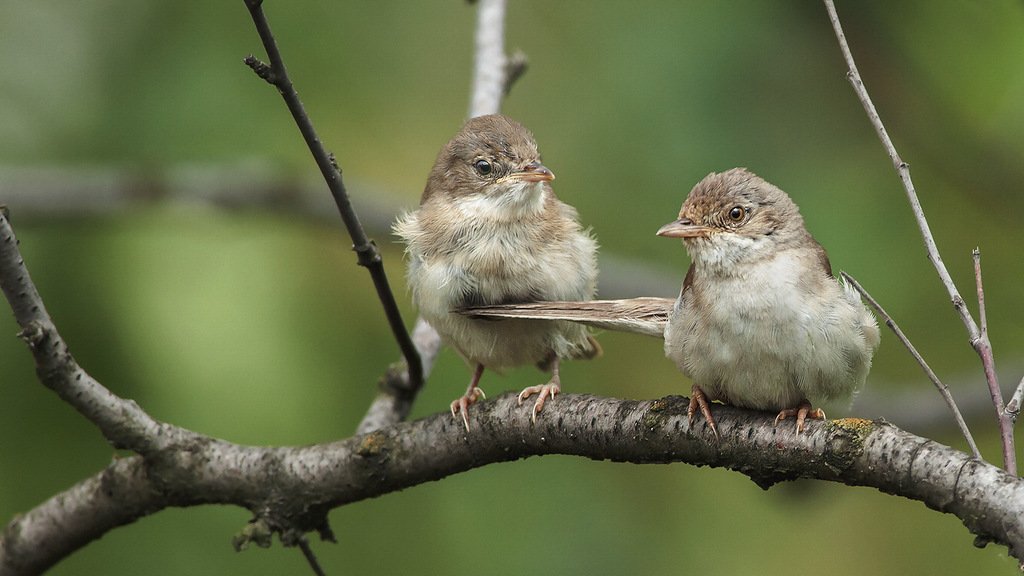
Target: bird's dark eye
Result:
[736, 213]
[483, 167]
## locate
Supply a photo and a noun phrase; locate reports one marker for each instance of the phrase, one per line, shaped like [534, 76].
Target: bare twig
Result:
[976, 256]
[310, 556]
[903, 170]
[984, 347]
[366, 251]
[942, 388]
[978, 341]
[493, 75]
[122, 422]
[393, 403]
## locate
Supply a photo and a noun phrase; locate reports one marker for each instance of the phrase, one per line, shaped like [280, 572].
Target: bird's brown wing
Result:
[646, 316]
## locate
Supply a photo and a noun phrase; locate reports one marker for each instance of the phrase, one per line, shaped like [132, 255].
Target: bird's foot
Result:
[802, 412]
[461, 404]
[543, 392]
[699, 400]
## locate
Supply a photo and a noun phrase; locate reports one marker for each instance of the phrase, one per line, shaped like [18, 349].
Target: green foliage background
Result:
[259, 328]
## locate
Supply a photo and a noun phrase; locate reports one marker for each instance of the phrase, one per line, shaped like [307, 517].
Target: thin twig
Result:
[942, 388]
[307, 551]
[903, 170]
[493, 75]
[976, 256]
[366, 251]
[984, 347]
[980, 345]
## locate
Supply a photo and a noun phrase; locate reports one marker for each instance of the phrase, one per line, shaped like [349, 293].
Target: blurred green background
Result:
[256, 326]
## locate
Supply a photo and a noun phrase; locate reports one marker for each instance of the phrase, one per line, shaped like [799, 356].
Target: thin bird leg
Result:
[473, 393]
[543, 391]
[803, 411]
[699, 400]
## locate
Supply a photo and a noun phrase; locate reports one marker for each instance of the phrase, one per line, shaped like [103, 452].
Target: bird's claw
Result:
[802, 412]
[543, 392]
[699, 401]
[462, 403]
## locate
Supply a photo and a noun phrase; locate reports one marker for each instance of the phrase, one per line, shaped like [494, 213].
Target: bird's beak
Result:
[533, 172]
[683, 228]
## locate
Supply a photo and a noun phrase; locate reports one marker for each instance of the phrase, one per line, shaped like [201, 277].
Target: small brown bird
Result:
[490, 230]
[760, 321]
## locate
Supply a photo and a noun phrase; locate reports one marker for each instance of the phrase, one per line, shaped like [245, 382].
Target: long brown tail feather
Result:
[646, 316]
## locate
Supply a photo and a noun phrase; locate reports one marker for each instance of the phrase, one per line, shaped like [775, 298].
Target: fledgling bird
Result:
[760, 321]
[490, 230]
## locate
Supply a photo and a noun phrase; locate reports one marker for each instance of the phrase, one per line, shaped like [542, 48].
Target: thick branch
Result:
[490, 65]
[292, 489]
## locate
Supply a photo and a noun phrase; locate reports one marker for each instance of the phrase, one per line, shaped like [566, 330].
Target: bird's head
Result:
[735, 217]
[492, 158]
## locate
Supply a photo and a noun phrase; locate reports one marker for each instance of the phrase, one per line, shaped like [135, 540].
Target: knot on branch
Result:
[1012, 410]
[292, 532]
[34, 334]
[261, 68]
[367, 254]
[257, 532]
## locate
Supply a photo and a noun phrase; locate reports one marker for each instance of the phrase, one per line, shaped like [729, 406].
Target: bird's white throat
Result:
[514, 201]
[725, 253]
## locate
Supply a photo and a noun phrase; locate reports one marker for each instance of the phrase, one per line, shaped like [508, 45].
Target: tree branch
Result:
[366, 251]
[979, 341]
[988, 363]
[292, 489]
[947, 396]
[490, 65]
[122, 422]
[493, 76]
